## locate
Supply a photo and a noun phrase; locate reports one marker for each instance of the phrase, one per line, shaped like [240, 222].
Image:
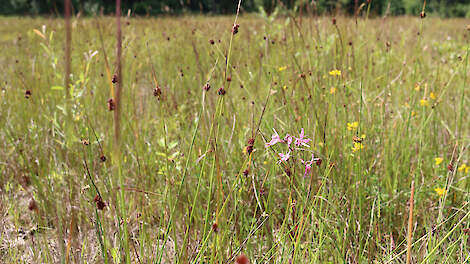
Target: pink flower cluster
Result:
[293, 144]
[299, 141]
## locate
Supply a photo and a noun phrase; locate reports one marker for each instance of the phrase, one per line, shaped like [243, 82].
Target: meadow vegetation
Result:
[385, 103]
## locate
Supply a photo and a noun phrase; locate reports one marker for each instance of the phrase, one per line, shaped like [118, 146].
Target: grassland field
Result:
[211, 165]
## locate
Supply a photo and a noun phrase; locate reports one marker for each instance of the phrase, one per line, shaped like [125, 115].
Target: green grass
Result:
[191, 192]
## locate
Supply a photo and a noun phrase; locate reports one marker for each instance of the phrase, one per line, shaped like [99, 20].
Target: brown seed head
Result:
[235, 28]
[242, 259]
[318, 161]
[114, 80]
[85, 142]
[99, 202]
[212, 42]
[221, 91]
[32, 205]
[450, 167]
[422, 14]
[466, 231]
[229, 78]
[103, 158]
[333, 21]
[157, 92]
[215, 227]
[27, 94]
[249, 149]
[246, 172]
[111, 105]
[206, 87]
[251, 141]
[288, 172]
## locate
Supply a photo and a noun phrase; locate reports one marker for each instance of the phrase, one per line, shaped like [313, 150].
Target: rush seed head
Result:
[215, 227]
[27, 94]
[157, 92]
[235, 28]
[221, 91]
[242, 259]
[111, 104]
[32, 206]
[99, 202]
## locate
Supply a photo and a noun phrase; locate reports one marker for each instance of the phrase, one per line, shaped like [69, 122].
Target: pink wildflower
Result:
[288, 139]
[284, 157]
[274, 139]
[301, 140]
[308, 166]
[309, 163]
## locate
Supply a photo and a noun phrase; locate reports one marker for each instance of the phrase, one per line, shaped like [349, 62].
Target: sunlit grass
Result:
[385, 102]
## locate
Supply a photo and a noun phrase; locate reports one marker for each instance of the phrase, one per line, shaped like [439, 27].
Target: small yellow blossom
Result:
[438, 160]
[265, 162]
[432, 96]
[332, 90]
[283, 68]
[335, 73]
[363, 136]
[440, 191]
[464, 168]
[284, 87]
[353, 125]
[413, 113]
[417, 88]
[424, 102]
[357, 146]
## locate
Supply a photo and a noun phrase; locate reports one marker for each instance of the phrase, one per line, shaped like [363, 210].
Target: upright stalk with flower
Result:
[295, 146]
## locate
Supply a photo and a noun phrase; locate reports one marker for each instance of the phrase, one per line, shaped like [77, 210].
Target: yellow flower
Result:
[284, 87]
[335, 73]
[463, 168]
[432, 96]
[245, 150]
[417, 88]
[357, 146]
[413, 113]
[424, 102]
[283, 68]
[332, 90]
[363, 136]
[438, 160]
[353, 125]
[440, 191]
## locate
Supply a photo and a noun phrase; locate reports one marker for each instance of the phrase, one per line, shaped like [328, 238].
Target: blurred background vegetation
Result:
[443, 8]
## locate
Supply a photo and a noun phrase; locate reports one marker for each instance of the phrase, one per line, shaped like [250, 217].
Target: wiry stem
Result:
[68, 40]
[117, 99]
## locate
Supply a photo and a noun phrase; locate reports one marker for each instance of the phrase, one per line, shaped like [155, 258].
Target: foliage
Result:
[370, 106]
[445, 8]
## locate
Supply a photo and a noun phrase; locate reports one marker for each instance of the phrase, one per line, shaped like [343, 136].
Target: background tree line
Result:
[444, 8]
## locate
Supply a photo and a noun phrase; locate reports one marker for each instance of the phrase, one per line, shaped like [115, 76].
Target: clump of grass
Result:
[180, 166]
